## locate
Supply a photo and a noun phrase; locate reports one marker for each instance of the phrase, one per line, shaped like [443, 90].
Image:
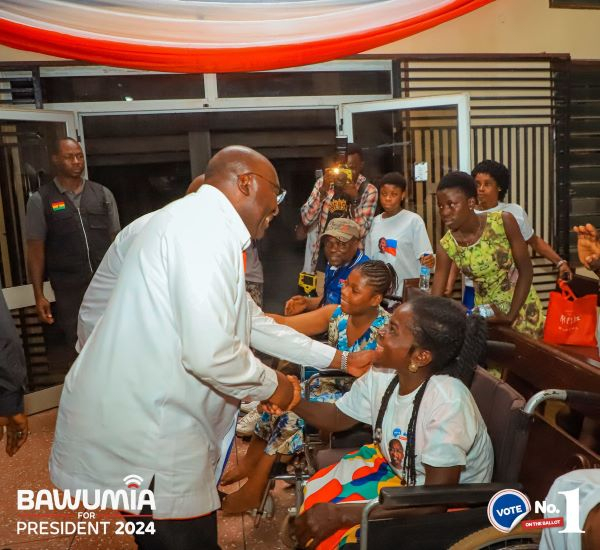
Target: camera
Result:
[340, 172]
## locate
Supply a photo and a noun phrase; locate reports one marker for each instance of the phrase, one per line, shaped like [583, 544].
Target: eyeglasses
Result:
[279, 192]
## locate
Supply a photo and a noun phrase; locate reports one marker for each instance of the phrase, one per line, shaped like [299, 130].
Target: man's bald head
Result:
[249, 181]
[235, 160]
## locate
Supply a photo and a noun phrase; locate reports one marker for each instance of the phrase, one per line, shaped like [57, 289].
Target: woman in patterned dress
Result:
[490, 250]
[352, 326]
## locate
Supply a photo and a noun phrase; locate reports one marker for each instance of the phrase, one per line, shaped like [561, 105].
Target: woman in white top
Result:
[428, 428]
[398, 236]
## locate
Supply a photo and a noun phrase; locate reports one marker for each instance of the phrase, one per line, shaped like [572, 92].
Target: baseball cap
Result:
[342, 229]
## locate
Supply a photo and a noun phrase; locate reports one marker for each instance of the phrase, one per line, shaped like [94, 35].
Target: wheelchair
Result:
[466, 526]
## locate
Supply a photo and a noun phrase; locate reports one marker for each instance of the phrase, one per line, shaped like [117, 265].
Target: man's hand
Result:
[16, 432]
[44, 313]
[588, 244]
[328, 181]
[317, 523]
[295, 305]
[280, 401]
[360, 362]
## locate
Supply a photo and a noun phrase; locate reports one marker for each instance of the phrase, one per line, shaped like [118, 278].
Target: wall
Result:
[510, 26]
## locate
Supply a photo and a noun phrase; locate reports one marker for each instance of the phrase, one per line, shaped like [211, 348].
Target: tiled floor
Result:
[29, 470]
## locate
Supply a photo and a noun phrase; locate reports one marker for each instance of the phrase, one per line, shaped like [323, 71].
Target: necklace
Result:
[476, 237]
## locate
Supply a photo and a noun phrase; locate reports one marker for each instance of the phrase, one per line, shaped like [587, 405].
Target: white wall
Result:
[504, 26]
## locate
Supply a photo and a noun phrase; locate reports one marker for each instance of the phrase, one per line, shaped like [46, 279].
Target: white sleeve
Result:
[421, 242]
[522, 220]
[202, 290]
[369, 240]
[286, 343]
[450, 431]
[357, 402]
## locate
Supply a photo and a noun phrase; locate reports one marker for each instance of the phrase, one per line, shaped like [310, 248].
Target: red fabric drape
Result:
[179, 59]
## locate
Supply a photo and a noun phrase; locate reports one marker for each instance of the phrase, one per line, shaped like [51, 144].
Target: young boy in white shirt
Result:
[398, 236]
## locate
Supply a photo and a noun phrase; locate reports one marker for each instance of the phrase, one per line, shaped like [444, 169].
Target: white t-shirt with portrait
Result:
[399, 240]
[449, 431]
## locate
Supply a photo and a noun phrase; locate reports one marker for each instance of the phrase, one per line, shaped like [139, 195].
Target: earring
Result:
[412, 368]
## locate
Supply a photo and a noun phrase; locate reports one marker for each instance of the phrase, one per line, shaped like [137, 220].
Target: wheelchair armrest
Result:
[468, 494]
[337, 373]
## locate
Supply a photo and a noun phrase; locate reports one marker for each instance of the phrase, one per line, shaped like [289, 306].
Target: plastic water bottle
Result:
[484, 311]
[424, 277]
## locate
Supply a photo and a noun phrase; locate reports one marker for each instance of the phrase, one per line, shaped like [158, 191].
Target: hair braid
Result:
[381, 277]
[456, 343]
[409, 470]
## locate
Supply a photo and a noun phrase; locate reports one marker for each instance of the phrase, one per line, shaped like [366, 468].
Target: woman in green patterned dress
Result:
[490, 250]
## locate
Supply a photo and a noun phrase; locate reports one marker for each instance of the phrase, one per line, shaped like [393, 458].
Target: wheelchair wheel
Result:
[492, 539]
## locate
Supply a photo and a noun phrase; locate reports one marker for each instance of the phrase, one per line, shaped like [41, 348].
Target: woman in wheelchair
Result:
[428, 430]
[352, 326]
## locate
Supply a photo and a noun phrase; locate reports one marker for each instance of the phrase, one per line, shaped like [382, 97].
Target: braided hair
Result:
[381, 276]
[456, 343]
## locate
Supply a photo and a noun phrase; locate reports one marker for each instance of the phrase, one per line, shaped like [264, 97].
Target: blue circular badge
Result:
[507, 508]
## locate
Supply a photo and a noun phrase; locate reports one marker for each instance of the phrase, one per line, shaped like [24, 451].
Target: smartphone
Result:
[318, 174]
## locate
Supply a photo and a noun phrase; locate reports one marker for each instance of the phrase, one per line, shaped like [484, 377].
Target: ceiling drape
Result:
[216, 36]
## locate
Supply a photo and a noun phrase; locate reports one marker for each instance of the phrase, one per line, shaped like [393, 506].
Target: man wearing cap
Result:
[340, 239]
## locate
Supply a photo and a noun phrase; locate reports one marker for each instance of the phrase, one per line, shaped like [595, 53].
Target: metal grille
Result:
[516, 104]
[20, 87]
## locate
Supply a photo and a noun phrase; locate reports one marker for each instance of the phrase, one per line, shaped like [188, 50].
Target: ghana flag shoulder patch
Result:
[58, 205]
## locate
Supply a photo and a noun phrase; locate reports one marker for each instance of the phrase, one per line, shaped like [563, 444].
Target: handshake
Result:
[288, 392]
[286, 396]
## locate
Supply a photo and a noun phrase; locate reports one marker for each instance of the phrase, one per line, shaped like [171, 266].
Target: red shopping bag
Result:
[571, 320]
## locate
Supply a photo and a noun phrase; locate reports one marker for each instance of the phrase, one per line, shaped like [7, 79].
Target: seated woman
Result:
[490, 250]
[430, 430]
[352, 326]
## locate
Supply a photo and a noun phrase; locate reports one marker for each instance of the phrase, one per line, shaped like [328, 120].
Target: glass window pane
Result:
[122, 87]
[304, 83]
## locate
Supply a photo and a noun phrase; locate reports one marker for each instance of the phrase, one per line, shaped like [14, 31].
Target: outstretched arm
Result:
[310, 323]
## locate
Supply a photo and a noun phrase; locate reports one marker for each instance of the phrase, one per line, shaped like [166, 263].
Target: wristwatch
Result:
[560, 262]
[344, 364]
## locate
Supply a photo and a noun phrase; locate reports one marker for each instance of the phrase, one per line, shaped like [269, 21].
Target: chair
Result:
[502, 410]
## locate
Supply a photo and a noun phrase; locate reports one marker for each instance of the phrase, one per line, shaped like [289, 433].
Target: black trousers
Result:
[176, 534]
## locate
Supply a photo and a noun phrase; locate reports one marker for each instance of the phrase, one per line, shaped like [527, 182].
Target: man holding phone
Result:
[336, 195]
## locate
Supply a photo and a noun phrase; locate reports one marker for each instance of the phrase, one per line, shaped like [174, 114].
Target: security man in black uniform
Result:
[71, 222]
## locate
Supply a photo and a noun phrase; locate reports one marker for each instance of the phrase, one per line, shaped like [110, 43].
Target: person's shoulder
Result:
[412, 217]
[382, 318]
[337, 313]
[515, 209]
[380, 378]
[446, 388]
[362, 258]
[447, 241]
